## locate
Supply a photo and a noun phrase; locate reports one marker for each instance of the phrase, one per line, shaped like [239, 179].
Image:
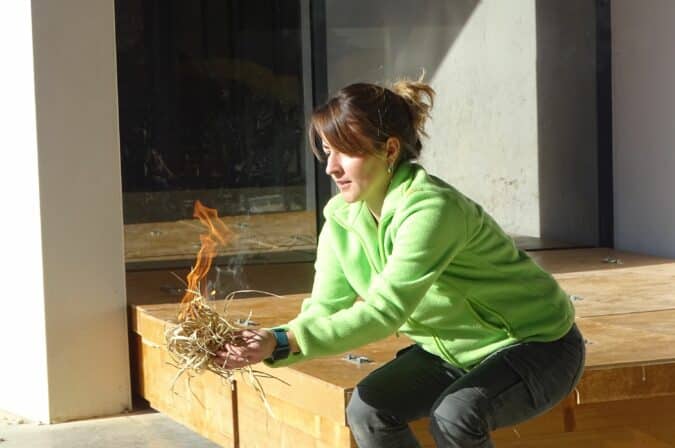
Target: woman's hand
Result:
[247, 347]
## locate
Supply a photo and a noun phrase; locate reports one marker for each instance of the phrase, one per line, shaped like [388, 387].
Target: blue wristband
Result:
[283, 348]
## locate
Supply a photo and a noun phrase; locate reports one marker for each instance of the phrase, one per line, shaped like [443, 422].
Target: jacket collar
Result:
[358, 216]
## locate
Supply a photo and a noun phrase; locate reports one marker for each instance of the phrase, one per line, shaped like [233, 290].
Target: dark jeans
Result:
[508, 387]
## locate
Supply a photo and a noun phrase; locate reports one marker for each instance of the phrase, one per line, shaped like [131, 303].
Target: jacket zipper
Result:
[437, 340]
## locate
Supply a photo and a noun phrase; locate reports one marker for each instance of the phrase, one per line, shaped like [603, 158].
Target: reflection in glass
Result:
[212, 107]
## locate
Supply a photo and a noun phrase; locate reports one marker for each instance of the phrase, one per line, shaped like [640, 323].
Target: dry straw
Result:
[193, 342]
[200, 331]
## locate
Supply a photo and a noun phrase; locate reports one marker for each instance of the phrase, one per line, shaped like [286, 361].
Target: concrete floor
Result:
[142, 429]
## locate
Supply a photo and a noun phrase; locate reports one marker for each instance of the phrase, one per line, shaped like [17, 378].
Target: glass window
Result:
[213, 99]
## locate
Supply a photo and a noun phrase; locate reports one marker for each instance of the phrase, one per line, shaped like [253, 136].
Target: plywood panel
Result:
[629, 340]
[652, 416]
[618, 438]
[627, 383]
[621, 340]
[288, 425]
[626, 316]
[620, 291]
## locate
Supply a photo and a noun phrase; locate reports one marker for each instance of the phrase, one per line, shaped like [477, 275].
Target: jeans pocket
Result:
[512, 406]
[549, 370]
[528, 371]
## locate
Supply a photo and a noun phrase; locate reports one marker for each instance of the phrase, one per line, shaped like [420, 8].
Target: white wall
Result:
[23, 376]
[70, 299]
[643, 71]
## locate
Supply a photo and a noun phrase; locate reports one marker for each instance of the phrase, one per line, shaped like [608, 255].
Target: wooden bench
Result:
[619, 438]
[625, 308]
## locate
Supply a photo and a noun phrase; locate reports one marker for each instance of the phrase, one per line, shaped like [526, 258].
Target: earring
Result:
[389, 168]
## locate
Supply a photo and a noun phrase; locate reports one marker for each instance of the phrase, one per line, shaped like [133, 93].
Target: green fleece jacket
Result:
[437, 268]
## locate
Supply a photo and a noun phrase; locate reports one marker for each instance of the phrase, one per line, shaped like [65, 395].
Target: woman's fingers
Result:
[247, 347]
[235, 349]
[250, 334]
[230, 360]
[235, 357]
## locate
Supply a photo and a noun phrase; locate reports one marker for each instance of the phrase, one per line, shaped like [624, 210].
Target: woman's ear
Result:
[392, 149]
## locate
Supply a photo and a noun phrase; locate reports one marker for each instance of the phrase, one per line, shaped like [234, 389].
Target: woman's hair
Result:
[360, 118]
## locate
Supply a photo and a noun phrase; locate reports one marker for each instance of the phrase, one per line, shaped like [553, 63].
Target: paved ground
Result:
[143, 429]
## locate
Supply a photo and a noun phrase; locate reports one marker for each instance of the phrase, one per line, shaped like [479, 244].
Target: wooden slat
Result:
[629, 340]
[618, 438]
[289, 425]
[627, 383]
[206, 406]
[653, 416]
[621, 291]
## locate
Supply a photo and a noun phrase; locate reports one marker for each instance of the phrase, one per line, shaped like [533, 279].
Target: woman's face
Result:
[359, 177]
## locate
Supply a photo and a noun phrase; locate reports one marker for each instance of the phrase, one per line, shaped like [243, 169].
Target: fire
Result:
[219, 234]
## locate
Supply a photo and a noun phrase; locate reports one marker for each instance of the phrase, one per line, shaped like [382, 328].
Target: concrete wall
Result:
[62, 183]
[643, 71]
[484, 127]
[514, 123]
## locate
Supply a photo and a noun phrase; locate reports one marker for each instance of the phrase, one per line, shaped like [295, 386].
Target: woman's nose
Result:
[332, 165]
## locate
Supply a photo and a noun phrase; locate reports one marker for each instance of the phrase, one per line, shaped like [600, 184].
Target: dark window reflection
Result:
[211, 107]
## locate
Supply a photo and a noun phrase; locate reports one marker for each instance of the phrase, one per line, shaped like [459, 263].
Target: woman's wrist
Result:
[292, 342]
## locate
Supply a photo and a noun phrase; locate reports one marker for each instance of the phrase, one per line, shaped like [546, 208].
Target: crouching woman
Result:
[401, 251]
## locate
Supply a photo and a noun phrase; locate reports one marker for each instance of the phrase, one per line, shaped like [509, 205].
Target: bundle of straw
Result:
[194, 340]
[200, 331]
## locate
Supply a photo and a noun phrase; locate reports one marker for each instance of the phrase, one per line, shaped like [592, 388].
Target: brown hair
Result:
[360, 118]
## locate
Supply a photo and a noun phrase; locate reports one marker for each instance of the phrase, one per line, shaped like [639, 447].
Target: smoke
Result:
[229, 277]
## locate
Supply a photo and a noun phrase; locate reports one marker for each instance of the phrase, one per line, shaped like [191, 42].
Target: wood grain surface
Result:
[625, 310]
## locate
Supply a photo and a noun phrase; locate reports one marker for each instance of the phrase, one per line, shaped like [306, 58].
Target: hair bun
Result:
[420, 99]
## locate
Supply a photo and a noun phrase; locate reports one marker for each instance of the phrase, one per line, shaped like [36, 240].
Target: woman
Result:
[495, 339]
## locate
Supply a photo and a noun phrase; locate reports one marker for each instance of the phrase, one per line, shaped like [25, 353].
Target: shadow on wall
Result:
[567, 120]
[390, 39]
[376, 41]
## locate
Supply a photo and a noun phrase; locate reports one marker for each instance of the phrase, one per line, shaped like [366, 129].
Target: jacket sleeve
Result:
[331, 292]
[431, 230]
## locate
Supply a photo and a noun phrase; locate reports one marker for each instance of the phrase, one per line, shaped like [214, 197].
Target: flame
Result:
[219, 234]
